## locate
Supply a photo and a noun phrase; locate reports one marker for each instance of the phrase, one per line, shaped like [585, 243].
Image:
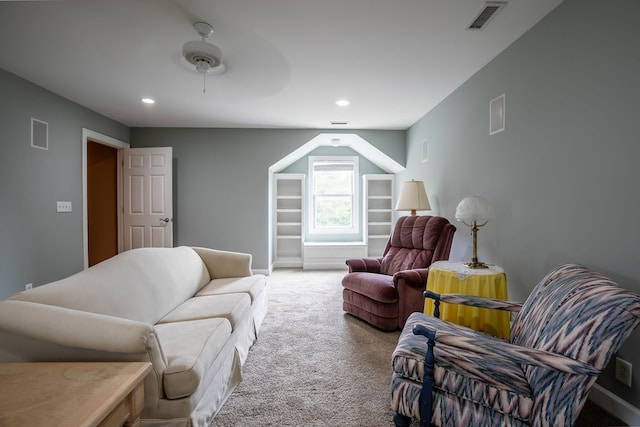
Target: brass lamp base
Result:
[474, 259]
[476, 264]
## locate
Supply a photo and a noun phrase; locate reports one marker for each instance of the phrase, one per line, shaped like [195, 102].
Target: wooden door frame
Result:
[92, 136]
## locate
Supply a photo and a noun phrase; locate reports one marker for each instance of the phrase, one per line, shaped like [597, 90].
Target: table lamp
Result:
[474, 212]
[413, 197]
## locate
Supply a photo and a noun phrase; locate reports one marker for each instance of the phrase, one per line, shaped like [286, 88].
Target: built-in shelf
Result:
[289, 219]
[377, 211]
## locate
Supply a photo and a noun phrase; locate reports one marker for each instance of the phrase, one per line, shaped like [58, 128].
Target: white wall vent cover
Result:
[485, 15]
[39, 134]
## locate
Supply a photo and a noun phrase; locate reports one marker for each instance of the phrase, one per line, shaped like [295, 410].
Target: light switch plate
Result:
[63, 206]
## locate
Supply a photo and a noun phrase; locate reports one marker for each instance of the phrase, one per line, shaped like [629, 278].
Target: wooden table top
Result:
[65, 393]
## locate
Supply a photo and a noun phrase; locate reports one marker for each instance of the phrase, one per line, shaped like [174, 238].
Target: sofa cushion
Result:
[230, 306]
[253, 285]
[190, 348]
[141, 284]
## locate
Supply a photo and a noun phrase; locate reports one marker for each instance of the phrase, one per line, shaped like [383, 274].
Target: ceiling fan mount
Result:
[205, 56]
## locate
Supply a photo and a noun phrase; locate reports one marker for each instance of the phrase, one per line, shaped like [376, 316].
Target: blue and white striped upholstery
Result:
[562, 337]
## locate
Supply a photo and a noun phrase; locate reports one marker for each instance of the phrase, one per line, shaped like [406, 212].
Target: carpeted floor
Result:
[314, 365]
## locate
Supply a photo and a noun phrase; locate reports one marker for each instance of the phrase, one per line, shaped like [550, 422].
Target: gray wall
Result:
[564, 175]
[38, 245]
[221, 180]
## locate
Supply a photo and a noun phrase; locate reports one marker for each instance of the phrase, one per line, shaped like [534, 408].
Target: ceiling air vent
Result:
[486, 14]
[338, 123]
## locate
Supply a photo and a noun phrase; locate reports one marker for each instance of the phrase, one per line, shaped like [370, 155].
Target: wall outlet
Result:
[623, 371]
[28, 286]
[63, 206]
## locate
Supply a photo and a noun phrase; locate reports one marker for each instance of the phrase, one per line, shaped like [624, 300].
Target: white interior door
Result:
[148, 199]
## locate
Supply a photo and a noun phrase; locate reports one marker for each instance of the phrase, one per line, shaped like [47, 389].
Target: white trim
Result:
[615, 405]
[87, 135]
[362, 147]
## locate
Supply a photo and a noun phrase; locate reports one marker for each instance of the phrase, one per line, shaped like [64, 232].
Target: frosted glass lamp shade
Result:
[474, 212]
[474, 208]
[413, 197]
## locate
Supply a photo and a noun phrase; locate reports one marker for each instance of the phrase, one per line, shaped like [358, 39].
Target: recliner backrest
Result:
[416, 242]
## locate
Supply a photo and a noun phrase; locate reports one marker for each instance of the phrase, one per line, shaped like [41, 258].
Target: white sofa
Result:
[192, 312]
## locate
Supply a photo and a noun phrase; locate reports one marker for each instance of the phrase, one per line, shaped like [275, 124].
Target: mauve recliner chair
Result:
[385, 291]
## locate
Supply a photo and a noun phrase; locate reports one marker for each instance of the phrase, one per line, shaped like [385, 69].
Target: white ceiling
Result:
[288, 61]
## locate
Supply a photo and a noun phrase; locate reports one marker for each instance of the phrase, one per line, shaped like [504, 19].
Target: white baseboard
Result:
[331, 255]
[615, 405]
[288, 262]
[336, 264]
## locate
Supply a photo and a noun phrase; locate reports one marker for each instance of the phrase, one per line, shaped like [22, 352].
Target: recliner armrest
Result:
[416, 278]
[369, 265]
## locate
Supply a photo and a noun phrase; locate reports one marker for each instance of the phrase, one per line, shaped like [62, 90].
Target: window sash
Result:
[334, 207]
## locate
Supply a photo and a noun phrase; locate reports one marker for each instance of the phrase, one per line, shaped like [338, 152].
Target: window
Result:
[333, 195]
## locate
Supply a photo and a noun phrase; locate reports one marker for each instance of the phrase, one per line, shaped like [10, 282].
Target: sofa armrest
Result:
[224, 264]
[368, 265]
[74, 328]
[34, 332]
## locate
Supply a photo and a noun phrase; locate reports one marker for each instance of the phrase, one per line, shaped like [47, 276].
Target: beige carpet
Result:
[314, 365]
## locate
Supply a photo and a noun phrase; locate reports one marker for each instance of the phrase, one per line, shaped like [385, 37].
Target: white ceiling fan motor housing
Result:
[206, 57]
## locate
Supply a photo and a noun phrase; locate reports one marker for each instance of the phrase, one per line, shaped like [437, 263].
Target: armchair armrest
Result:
[500, 350]
[369, 265]
[410, 285]
[473, 301]
[224, 264]
[416, 278]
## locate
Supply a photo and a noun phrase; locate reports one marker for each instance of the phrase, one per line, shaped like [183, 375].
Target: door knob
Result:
[166, 220]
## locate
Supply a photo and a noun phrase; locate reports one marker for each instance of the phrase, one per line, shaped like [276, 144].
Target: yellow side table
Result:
[448, 277]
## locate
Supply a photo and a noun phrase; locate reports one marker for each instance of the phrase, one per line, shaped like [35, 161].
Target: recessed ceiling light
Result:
[342, 103]
[148, 101]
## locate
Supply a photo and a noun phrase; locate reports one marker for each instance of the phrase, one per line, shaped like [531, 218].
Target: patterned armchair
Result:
[562, 337]
[385, 291]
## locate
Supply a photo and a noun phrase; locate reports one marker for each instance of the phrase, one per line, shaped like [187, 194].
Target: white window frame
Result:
[355, 197]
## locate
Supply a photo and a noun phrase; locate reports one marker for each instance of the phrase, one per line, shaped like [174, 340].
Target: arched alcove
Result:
[353, 141]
